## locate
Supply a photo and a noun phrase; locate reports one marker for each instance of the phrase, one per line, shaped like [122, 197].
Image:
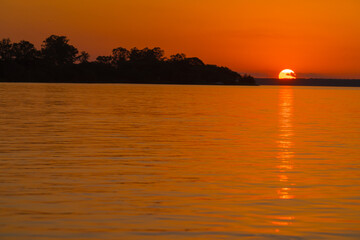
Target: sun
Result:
[287, 74]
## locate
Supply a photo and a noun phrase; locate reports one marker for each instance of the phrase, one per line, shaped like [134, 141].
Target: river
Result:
[122, 161]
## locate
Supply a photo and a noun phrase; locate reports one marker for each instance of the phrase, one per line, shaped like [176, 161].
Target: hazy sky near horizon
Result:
[315, 38]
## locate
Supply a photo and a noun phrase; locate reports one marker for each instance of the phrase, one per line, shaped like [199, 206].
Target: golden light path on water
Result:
[285, 154]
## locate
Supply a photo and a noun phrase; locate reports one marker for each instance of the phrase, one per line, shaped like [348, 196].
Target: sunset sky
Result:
[315, 38]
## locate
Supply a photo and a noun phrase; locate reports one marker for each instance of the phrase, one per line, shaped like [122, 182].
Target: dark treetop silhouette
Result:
[58, 61]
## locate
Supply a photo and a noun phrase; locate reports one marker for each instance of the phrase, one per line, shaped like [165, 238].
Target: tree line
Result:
[59, 61]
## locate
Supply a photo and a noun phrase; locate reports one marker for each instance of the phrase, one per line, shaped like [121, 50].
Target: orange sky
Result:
[260, 37]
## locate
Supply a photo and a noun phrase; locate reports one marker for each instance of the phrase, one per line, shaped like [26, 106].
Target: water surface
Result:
[117, 161]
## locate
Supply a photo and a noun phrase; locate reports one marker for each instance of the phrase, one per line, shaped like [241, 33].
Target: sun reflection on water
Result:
[285, 154]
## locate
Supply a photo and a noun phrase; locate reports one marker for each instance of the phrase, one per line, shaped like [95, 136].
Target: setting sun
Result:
[287, 74]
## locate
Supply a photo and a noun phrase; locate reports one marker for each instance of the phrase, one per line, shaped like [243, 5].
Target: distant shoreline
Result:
[309, 82]
[315, 82]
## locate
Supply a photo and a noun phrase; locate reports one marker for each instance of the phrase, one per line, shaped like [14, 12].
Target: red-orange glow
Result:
[317, 38]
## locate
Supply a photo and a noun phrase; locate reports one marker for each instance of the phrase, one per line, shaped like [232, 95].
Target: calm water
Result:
[179, 162]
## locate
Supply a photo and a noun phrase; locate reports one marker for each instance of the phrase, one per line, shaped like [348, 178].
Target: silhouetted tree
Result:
[194, 61]
[177, 57]
[24, 52]
[56, 50]
[119, 56]
[146, 55]
[104, 59]
[83, 57]
[5, 49]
